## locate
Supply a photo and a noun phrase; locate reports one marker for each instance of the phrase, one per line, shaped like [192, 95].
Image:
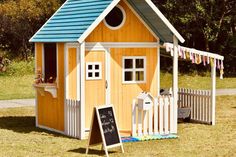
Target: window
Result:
[50, 62]
[116, 18]
[134, 69]
[93, 71]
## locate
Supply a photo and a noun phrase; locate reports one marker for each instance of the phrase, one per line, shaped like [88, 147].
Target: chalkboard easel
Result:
[104, 129]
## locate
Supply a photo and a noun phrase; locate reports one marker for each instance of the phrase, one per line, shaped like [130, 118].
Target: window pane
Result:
[139, 76]
[139, 63]
[96, 74]
[90, 74]
[97, 67]
[128, 63]
[128, 76]
[90, 67]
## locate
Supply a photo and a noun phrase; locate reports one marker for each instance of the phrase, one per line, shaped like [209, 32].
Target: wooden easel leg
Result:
[122, 149]
[87, 149]
[106, 153]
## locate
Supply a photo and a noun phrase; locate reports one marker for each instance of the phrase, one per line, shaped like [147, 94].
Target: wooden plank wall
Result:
[51, 110]
[123, 94]
[72, 69]
[132, 31]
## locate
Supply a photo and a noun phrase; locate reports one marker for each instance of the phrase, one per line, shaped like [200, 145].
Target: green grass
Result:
[197, 82]
[19, 137]
[16, 87]
[16, 82]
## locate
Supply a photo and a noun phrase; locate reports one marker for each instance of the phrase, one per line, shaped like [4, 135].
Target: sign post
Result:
[104, 129]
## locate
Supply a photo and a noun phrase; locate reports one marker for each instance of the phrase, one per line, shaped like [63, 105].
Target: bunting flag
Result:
[197, 57]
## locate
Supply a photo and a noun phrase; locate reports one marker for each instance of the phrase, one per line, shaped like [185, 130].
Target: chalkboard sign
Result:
[104, 129]
[109, 126]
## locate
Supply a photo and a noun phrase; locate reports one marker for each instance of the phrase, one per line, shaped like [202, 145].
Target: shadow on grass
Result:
[91, 151]
[23, 124]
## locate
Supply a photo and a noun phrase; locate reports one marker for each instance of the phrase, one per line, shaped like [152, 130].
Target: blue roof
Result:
[71, 21]
[76, 19]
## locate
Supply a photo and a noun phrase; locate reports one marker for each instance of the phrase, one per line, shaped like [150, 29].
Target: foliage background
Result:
[208, 25]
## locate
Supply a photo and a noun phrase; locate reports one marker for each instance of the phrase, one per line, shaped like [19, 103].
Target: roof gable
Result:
[76, 19]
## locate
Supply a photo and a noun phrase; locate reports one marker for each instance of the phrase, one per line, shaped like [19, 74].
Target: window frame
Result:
[93, 70]
[122, 23]
[134, 69]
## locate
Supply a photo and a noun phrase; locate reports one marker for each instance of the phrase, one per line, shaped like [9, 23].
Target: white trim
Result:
[48, 21]
[50, 129]
[121, 24]
[36, 93]
[134, 69]
[213, 91]
[164, 19]
[98, 20]
[43, 62]
[93, 70]
[103, 45]
[175, 83]
[198, 52]
[82, 92]
[144, 23]
[106, 45]
[108, 76]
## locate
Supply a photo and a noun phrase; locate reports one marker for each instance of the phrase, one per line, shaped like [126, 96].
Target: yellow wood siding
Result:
[51, 110]
[94, 89]
[123, 94]
[132, 31]
[72, 73]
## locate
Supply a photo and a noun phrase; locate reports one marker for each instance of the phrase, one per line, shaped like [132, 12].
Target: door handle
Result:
[106, 84]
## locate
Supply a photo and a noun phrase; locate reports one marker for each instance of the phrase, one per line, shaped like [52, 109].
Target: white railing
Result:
[200, 103]
[158, 120]
[72, 118]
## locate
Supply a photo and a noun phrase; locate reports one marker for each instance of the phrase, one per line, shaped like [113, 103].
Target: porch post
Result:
[158, 68]
[213, 90]
[175, 83]
[82, 90]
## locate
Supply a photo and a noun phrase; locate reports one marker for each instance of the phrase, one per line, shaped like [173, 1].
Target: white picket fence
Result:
[159, 119]
[200, 103]
[72, 118]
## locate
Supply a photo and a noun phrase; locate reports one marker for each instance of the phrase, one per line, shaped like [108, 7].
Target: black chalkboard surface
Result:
[109, 127]
[104, 129]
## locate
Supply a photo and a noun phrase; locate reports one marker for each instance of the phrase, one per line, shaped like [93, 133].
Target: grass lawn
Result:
[16, 87]
[19, 137]
[197, 82]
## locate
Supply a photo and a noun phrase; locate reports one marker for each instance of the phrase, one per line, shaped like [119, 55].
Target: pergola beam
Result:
[213, 90]
[175, 82]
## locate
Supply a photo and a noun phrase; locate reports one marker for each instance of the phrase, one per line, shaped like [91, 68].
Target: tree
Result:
[20, 19]
[205, 24]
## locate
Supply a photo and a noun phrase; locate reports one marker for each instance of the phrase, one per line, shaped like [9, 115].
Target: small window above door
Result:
[93, 71]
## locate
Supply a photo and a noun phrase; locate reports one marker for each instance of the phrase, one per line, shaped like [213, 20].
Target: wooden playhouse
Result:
[96, 52]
